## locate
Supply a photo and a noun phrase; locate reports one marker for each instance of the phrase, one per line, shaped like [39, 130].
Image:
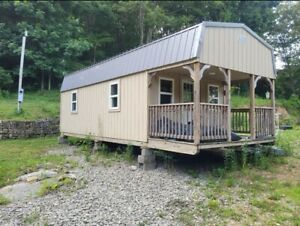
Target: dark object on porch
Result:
[285, 127]
[164, 123]
[235, 137]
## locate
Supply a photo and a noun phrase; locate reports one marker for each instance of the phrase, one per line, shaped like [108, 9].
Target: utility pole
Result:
[20, 89]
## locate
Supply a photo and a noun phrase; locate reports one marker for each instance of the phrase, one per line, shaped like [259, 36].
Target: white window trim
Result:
[166, 93]
[111, 108]
[213, 85]
[185, 81]
[76, 101]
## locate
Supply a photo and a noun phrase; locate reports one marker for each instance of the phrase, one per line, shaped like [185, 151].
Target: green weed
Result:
[47, 187]
[32, 218]
[4, 200]
[213, 204]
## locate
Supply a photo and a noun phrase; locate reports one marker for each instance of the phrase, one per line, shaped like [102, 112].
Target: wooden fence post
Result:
[197, 129]
[229, 105]
[273, 107]
[252, 108]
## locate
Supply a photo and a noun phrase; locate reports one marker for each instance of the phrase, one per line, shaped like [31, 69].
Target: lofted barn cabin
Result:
[174, 94]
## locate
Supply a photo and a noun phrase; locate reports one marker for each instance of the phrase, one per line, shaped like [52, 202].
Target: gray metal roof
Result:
[181, 46]
[177, 47]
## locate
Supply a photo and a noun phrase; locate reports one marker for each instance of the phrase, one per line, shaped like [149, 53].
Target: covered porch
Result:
[192, 104]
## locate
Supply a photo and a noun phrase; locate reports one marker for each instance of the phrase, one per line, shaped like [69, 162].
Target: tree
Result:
[5, 79]
[285, 37]
[54, 38]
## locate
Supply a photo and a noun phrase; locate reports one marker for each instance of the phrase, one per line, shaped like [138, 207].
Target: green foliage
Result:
[167, 158]
[31, 218]
[5, 79]
[213, 204]
[288, 141]
[129, 153]
[4, 200]
[47, 187]
[230, 159]
[285, 37]
[22, 156]
[37, 105]
[64, 36]
[274, 192]
[74, 141]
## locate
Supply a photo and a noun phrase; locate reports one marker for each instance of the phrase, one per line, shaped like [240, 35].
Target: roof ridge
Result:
[134, 49]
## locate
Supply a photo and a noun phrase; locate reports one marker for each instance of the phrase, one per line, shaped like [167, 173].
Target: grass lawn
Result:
[268, 195]
[25, 155]
[37, 105]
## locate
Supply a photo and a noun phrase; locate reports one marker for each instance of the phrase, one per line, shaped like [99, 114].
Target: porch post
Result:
[229, 105]
[273, 106]
[196, 116]
[252, 107]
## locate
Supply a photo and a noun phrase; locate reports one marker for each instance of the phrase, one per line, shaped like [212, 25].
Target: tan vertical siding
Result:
[95, 118]
[223, 47]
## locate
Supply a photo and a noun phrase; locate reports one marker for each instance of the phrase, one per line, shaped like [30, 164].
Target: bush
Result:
[284, 143]
[5, 79]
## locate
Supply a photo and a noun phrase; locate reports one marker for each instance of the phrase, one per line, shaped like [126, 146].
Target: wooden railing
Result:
[171, 121]
[264, 121]
[240, 120]
[175, 121]
[213, 121]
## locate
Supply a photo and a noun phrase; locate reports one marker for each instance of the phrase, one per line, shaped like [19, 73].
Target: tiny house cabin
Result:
[174, 93]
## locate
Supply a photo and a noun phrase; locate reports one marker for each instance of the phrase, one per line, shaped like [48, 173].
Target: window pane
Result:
[166, 86]
[74, 107]
[114, 89]
[114, 102]
[73, 96]
[165, 99]
[213, 94]
[188, 92]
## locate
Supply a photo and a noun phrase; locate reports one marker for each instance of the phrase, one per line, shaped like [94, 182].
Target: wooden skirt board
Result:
[234, 143]
[176, 146]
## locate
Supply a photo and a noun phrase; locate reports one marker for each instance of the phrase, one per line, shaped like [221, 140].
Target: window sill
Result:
[114, 110]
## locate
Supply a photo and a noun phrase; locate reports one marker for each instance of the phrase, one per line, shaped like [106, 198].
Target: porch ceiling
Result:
[212, 73]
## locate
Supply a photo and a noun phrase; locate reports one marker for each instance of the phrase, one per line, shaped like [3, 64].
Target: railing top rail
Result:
[268, 108]
[209, 104]
[189, 103]
[175, 104]
[240, 109]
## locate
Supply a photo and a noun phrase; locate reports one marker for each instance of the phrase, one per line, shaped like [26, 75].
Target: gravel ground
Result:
[115, 195]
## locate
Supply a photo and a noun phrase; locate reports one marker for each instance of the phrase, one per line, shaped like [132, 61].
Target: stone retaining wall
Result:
[24, 129]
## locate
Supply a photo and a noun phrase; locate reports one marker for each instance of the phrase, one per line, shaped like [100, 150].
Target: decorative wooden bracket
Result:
[260, 77]
[271, 84]
[203, 69]
[191, 70]
[150, 77]
[225, 75]
[256, 80]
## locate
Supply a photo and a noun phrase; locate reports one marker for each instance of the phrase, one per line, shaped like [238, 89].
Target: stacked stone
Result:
[25, 129]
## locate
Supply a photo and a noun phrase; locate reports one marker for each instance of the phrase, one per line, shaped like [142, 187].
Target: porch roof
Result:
[181, 46]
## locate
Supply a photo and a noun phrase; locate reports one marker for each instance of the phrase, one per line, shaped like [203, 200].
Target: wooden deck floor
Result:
[191, 149]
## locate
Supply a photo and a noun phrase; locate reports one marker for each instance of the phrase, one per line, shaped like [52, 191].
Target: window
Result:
[213, 94]
[187, 91]
[74, 101]
[166, 91]
[114, 99]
